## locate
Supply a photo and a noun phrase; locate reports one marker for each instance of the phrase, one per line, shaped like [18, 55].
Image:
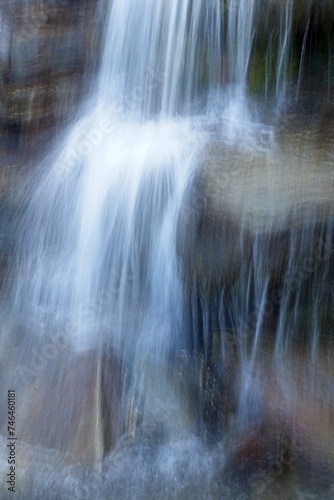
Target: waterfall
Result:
[160, 57]
[98, 271]
[283, 51]
[241, 27]
[159, 312]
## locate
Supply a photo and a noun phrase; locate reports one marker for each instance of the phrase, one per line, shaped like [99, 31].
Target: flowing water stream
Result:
[168, 322]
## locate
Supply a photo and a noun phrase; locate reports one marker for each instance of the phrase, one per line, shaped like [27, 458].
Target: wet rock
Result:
[7, 246]
[258, 220]
[69, 401]
[290, 448]
[49, 50]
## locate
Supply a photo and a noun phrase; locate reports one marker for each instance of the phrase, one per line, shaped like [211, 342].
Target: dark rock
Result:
[49, 50]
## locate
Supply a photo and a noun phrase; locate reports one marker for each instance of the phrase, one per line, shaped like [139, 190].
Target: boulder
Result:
[68, 400]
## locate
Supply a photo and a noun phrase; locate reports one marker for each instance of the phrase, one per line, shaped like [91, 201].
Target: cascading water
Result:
[153, 326]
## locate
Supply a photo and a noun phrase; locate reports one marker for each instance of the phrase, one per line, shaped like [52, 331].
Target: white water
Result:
[98, 240]
[156, 54]
[98, 254]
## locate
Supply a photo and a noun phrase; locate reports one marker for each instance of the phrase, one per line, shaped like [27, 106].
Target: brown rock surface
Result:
[68, 401]
[48, 49]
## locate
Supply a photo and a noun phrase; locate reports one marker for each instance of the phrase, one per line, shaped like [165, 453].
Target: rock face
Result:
[256, 243]
[265, 210]
[48, 50]
[295, 435]
[70, 401]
